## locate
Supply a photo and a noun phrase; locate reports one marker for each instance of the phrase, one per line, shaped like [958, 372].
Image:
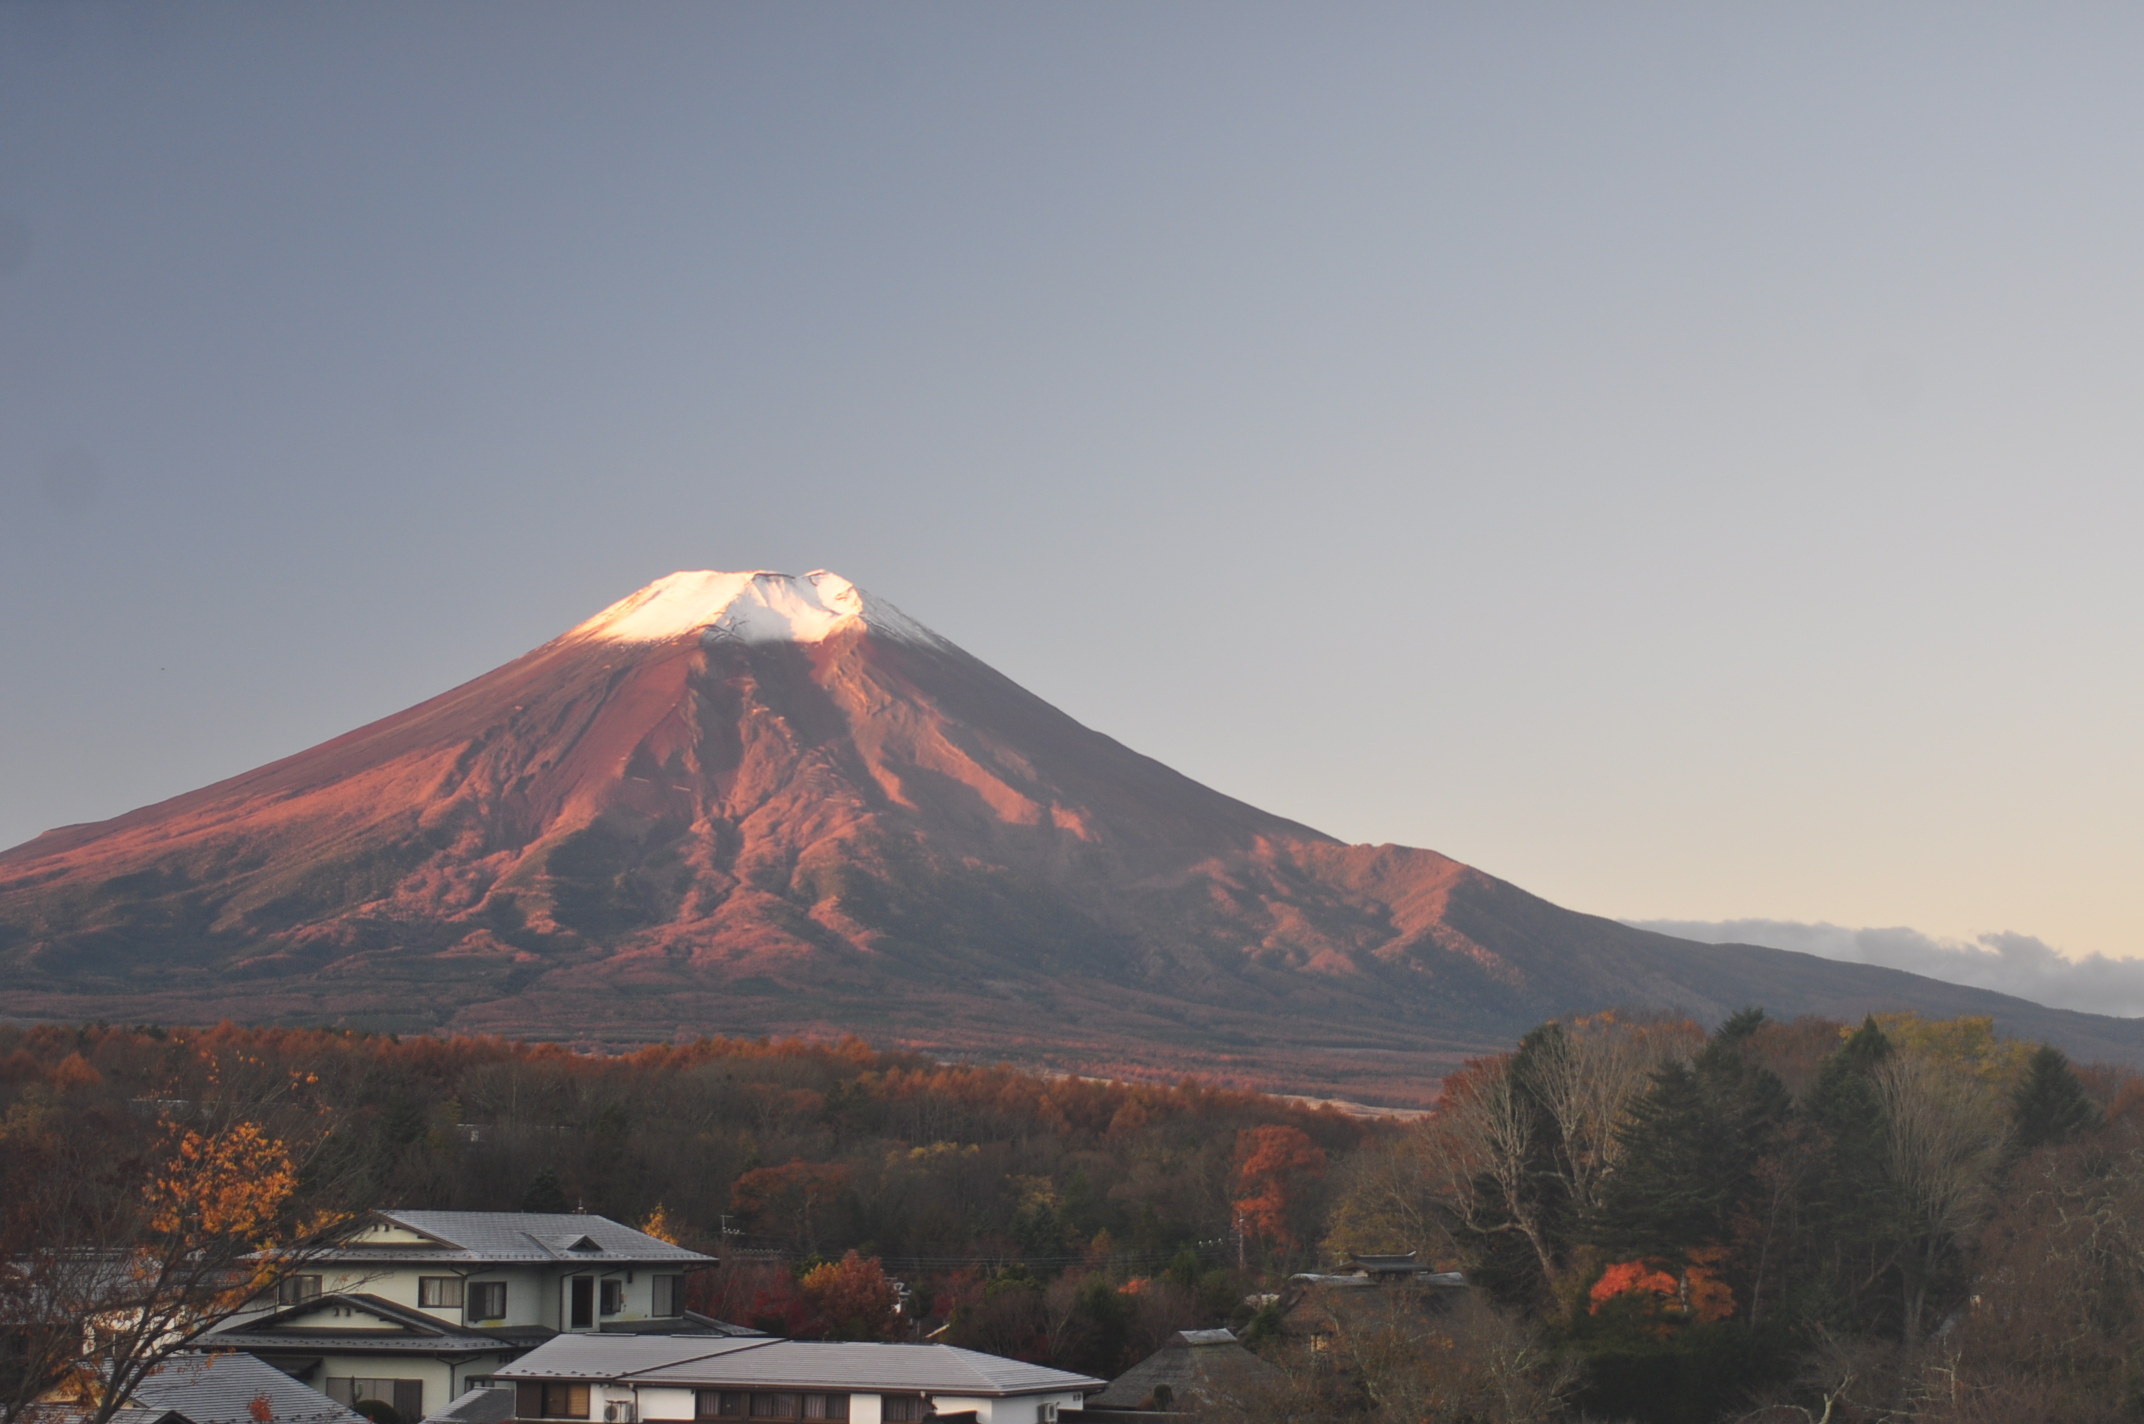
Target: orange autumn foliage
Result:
[234, 1183]
[1696, 1294]
[1274, 1166]
[853, 1299]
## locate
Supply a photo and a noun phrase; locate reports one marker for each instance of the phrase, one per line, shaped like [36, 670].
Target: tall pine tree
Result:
[1693, 1155]
[1850, 1208]
[2050, 1104]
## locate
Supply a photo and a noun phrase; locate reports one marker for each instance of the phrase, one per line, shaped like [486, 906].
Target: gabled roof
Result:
[222, 1388]
[788, 1364]
[472, 1238]
[400, 1329]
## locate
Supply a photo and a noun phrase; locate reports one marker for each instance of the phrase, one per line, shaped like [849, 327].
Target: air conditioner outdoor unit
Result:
[618, 1411]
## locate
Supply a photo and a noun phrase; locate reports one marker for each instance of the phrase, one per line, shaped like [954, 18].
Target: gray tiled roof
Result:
[611, 1356]
[1205, 1337]
[478, 1406]
[796, 1364]
[502, 1237]
[220, 1389]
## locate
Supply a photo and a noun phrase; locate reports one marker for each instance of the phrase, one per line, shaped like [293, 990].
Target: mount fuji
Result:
[766, 804]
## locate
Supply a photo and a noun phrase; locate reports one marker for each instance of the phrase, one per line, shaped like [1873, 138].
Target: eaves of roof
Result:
[315, 1342]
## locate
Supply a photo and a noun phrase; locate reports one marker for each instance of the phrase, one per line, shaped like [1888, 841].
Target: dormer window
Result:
[582, 1243]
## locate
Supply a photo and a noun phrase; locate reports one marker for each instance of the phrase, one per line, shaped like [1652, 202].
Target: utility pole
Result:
[1241, 1263]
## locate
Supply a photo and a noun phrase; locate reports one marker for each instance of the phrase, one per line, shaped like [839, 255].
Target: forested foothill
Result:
[1897, 1220]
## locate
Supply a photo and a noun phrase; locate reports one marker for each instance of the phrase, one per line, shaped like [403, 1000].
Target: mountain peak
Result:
[752, 606]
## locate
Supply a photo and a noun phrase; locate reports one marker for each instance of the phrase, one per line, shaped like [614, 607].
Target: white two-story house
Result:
[415, 1307]
[687, 1380]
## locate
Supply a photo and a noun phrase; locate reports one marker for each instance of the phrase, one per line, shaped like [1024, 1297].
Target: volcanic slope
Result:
[753, 803]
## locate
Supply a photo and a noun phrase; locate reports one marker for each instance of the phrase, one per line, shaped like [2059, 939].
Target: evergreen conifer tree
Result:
[1693, 1149]
[546, 1193]
[1850, 1209]
[2050, 1104]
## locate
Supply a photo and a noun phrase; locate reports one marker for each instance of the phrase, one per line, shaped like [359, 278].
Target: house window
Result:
[581, 1303]
[722, 1404]
[826, 1406]
[901, 1408]
[613, 1297]
[774, 1406]
[487, 1300]
[296, 1290]
[439, 1292]
[669, 1295]
[551, 1401]
[404, 1396]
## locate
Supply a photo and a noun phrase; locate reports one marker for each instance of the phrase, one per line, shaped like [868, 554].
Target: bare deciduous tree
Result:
[1588, 1076]
[1554, 1111]
[1944, 1135]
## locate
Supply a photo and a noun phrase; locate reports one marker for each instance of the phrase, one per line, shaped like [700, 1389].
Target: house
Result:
[413, 1308]
[623, 1381]
[1194, 1370]
[1328, 1313]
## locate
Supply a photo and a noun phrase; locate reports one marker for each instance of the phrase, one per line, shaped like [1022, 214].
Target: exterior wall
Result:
[1019, 1409]
[441, 1382]
[666, 1403]
[679, 1404]
[660, 1404]
[535, 1295]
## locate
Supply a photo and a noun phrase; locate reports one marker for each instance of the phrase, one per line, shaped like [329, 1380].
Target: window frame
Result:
[449, 1290]
[399, 1393]
[298, 1290]
[477, 1292]
[666, 1296]
[544, 1394]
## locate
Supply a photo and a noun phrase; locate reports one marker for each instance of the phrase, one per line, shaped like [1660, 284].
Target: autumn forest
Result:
[1901, 1219]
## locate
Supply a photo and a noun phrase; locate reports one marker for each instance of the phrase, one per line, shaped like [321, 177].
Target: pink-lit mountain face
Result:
[752, 803]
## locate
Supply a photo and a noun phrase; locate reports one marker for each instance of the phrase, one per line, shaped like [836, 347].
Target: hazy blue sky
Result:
[1684, 460]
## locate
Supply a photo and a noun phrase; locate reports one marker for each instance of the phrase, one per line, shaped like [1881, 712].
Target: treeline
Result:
[1057, 1218]
[1900, 1220]
[1896, 1220]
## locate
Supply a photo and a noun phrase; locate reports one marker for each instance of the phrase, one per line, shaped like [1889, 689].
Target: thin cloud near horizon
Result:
[2008, 963]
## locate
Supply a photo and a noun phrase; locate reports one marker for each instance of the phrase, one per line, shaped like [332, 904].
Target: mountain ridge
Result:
[791, 808]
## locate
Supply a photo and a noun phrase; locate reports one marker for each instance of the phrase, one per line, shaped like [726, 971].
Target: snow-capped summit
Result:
[754, 606]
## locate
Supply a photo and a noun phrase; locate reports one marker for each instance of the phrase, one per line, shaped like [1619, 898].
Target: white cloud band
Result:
[2008, 963]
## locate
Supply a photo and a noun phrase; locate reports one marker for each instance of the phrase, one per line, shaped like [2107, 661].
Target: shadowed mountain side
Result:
[857, 828]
